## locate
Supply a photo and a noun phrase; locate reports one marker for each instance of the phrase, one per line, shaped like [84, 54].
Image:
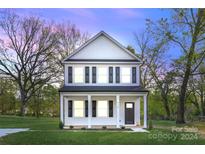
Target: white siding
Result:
[102, 48]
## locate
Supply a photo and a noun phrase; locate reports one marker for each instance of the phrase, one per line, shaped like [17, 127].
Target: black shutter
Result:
[133, 74]
[117, 69]
[70, 76]
[70, 108]
[110, 74]
[93, 108]
[110, 108]
[93, 74]
[86, 108]
[86, 74]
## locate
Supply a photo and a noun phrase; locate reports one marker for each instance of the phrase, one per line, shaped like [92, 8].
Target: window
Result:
[78, 108]
[110, 74]
[93, 74]
[70, 72]
[87, 74]
[102, 75]
[102, 109]
[117, 75]
[125, 78]
[78, 74]
[133, 74]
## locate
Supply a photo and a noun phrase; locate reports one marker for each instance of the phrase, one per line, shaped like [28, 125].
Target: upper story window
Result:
[78, 74]
[126, 75]
[102, 74]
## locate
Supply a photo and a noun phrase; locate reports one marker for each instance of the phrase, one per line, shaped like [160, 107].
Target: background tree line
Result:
[32, 50]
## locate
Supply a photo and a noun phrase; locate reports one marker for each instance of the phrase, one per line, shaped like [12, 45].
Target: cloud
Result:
[85, 13]
[128, 13]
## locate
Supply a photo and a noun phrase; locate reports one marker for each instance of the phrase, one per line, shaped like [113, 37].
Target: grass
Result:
[46, 131]
[29, 122]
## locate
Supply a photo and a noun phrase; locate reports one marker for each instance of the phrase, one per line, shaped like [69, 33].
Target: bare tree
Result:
[186, 30]
[26, 53]
[70, 38]
[155, 71]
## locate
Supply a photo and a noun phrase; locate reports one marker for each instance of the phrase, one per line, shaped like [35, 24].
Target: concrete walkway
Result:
[139, 130]
[6, 131]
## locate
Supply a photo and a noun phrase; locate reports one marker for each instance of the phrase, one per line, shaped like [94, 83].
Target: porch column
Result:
[61, 108]
[137, 115]
[89, 111]
[145, 110]
[118, 110]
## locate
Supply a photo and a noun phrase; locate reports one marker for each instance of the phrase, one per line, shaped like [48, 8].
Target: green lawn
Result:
[45, 131]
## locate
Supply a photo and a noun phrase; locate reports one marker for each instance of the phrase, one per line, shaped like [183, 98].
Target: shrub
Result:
[61, 125]
[122, 127]
[83, 128]
[71, 127]
[104, 127]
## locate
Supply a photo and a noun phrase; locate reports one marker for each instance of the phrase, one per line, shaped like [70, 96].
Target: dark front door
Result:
[129, 113]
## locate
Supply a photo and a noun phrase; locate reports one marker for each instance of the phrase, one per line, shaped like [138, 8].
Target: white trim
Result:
[103, 94]
[118, 111]
[145, 111]
[101, 62]
[61, 107]
[89, 111]
[107, 36]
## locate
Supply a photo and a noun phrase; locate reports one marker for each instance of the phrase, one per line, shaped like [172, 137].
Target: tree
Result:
[45, 102]
[156, 74]
[27, 53]
[186, 30]
[70, 38]
[131, 49]
[197, 90]
[8, 97]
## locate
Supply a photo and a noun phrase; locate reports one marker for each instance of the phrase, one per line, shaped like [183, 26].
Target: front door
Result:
[129, 113]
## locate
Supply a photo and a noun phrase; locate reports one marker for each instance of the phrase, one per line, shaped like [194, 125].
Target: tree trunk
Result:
[166, 106]
[23, 104]
[202, 103]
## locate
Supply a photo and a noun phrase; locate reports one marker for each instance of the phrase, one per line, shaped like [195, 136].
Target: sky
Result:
[119, 23]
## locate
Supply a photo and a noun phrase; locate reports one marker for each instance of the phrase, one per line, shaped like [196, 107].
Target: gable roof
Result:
[102, 33]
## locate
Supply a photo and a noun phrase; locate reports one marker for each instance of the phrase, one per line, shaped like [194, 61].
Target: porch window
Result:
[102, 74]
[78, 109]
[102, 109]
[78, 74]
[125, 76]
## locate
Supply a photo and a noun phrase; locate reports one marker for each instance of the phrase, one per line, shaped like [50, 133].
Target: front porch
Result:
[128, 110]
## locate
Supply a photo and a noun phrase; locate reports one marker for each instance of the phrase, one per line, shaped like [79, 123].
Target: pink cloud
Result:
[87, 13]
[128, 13]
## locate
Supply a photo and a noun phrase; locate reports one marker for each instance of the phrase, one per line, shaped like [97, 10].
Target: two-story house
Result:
[102, 86]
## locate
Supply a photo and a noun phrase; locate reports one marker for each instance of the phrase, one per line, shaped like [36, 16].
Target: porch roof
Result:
[102, 89]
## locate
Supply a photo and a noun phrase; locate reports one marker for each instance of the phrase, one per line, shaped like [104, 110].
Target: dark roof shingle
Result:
[102, 89]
